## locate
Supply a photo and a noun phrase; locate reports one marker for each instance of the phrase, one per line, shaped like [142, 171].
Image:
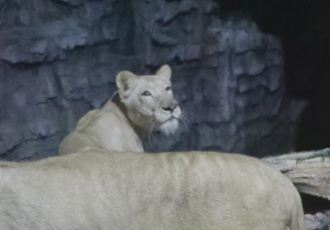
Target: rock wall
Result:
[319, 221]
[59, 58]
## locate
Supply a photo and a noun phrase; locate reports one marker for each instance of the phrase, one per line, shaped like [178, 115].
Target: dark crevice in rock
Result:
[69, 3]
[10, 150]
[167, 21]
[313, 204]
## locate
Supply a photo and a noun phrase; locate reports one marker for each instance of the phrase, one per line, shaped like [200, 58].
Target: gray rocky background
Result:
[318, 221]
[58, 59]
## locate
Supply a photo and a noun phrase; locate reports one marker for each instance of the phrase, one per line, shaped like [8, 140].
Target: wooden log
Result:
[309, 171]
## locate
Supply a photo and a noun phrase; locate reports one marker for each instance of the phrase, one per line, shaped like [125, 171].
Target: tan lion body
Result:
[142, 103]
[106, 128]
[168, 191]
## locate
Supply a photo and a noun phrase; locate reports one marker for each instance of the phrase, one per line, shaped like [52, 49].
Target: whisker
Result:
[150, 132]
[186, 126]
[188, 122]
[187, 119]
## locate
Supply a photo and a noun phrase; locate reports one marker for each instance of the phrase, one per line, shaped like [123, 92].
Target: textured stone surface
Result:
[319, 221]
[58, 59]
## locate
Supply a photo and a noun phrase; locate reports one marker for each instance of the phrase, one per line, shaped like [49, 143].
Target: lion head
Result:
[149, 99]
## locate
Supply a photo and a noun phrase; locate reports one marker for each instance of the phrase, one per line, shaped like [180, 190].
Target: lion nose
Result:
[171, 107]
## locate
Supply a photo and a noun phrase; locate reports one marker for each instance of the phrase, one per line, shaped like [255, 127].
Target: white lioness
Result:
[167, 191]
[143, 103]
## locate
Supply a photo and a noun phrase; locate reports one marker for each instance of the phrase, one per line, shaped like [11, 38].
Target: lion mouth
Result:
[169, 119]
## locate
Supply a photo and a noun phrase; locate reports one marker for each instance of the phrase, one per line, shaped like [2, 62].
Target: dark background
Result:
[304, 27]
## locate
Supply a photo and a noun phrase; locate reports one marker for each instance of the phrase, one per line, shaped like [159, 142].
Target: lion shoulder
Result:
[102, 129]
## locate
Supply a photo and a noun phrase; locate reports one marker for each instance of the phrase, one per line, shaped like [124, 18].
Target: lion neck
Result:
[138, 123]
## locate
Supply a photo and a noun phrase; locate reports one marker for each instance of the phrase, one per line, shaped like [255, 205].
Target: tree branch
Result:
[309, 171]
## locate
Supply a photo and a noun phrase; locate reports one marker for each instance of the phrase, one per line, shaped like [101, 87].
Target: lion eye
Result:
[146, 93]
[168, 88]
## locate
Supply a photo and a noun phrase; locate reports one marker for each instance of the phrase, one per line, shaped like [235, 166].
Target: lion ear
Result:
[125, 80]
[165, 71]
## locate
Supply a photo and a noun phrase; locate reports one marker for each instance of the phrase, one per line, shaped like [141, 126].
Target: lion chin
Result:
[170, 126]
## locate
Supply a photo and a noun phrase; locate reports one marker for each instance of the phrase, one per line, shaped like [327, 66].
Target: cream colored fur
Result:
[137, 191]
[142, 103]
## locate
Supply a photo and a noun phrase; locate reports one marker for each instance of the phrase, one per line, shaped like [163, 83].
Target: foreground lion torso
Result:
[141, 104]
[176, 191]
